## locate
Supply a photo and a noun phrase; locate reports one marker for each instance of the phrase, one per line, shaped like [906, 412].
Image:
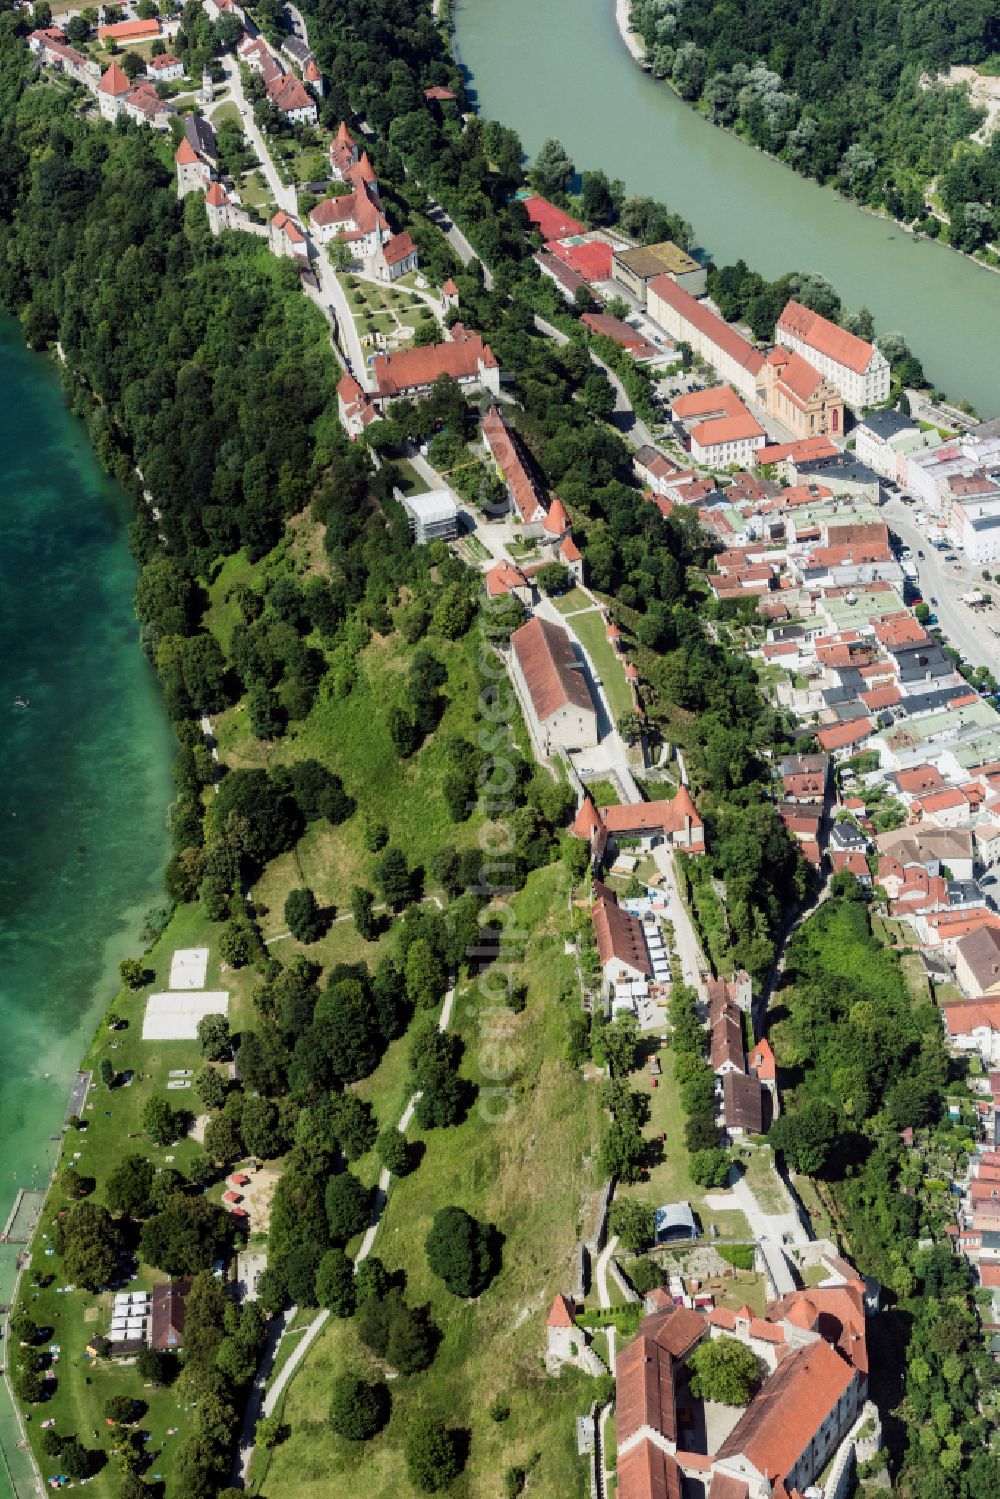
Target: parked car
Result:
[920, 556]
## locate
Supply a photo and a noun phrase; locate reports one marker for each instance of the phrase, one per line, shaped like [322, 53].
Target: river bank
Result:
[561, 70]
[86, 766]
[632, 39]
[636, 48]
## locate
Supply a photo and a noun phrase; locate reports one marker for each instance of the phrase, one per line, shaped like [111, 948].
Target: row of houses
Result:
[286, 91]
[116, 94]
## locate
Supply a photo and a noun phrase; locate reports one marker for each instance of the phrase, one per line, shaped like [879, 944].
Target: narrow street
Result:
[457, 240]
[285, 197]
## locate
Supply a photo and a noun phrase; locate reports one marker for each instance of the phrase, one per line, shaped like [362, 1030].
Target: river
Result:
[560, 68]
[84, 768]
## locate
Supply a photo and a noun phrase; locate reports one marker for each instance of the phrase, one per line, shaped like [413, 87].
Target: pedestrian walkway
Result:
[263, 1403]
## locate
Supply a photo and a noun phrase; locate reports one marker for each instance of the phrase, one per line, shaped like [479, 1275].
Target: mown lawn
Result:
[590, 630]
[533, 1175]
[669, 1180]
[573, 601]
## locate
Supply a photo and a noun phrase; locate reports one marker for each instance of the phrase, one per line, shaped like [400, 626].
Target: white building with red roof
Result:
[507, 578]
[396, 257]
[355, 218]
[721, 430]
[676, 822]
[219, 208]
[410, 374]
[551, 683]
[111, 92]
[678, 313]
[290, 95]
[525, 494]
[354, 406]
[167, 68]
[857, 369]
[52, 47]
[343, 153]
[286, 238]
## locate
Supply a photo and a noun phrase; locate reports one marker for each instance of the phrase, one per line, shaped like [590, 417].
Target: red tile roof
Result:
[645, 1389]
[820, 334]
[721, 334]
[556, 520]
[727, 429]
[624, 335]
[839, 735]
[549, 220]
[217, 195]
[186, 155]
[800, 451]
[526, 495]
[968, 1015]
[114, 82]
[166, 60]
[124, 31]
[777, 1428]
[561, 1313]
[548, 663]
[504, 577]
[288, 227]
[289, 93]
[881, 697]
[799, 378]
[647, 1472]
[619, 934]
[761, 1061]
[591, 260]
[411, 368]
[398, 248]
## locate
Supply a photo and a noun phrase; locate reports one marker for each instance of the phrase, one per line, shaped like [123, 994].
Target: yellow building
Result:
[800, 397]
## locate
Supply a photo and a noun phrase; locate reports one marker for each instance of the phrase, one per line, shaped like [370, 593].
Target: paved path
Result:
[252, 1410]
[265, 1404]
[612, 1332]
[285, 197]
[333, 295]
[602, 1271]
[631, 426]
[693, 964]
[457, 240]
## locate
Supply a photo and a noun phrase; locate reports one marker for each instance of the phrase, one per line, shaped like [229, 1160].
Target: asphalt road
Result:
[968, 630]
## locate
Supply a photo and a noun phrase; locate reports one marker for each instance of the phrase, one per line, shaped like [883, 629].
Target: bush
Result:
[724, 1370]
[431, 1458]
[358, 1410]
[304, 918]
[461, 1251]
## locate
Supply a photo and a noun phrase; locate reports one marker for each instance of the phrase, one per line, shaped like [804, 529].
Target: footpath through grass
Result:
[533, 1175]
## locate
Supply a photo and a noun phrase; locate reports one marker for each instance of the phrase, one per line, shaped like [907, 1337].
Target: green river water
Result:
[84, 767]
[560, 68]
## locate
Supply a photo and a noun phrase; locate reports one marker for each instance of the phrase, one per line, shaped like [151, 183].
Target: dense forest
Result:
[839, 93]
[862, 1060]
